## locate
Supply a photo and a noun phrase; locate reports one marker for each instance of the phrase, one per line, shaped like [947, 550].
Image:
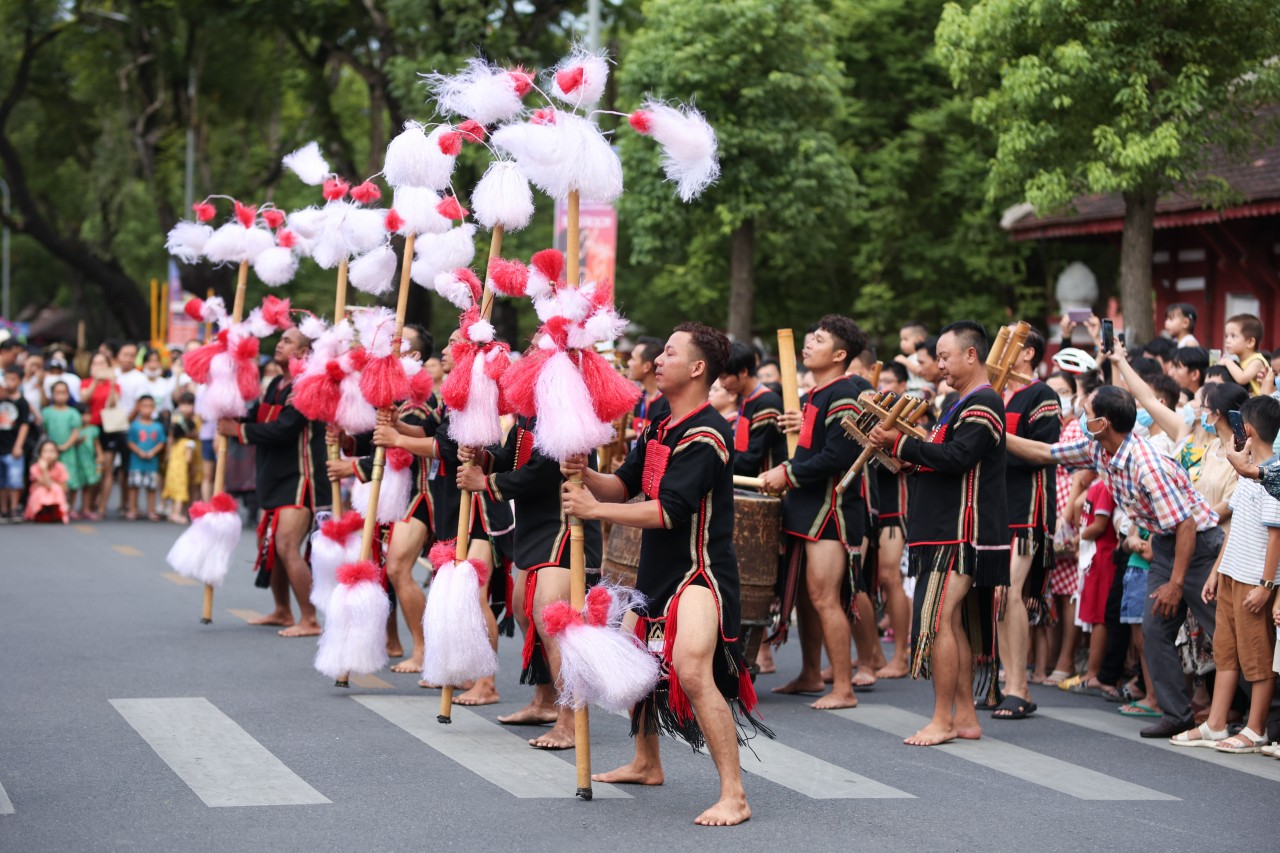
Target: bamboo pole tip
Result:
[583, 793]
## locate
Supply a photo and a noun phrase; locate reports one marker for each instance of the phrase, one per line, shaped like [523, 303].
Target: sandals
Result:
[1056, 678]
[1247, 741]
[1014, 708]
[1083, 688]
[1273, 750]
[1201, 735]
[1137, 709]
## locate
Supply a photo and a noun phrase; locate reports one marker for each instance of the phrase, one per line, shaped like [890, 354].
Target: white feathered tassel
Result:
[599, 665]
[227, 244]
[336, 543]
[308, 164]
[364, 228]
[455, 637]
[567, 424]
[503, 197]
[566, 154]
[354, 414]
[276, 266]
[479, 424]
[437, 253]
[393, 495]
[355, 639]
[579, 79]
[220, 396]
[373, 272]
[481, 92]
[456, 291]
[308, 222]
[417, 207]
[408, 161]
[186, 241]
[688, 145]
[203, 551]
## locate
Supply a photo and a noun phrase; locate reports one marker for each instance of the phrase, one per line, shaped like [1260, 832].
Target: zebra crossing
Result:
[224, 765]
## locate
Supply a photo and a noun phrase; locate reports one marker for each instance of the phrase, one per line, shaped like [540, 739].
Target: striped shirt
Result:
[1253, 514]
[1152, 489]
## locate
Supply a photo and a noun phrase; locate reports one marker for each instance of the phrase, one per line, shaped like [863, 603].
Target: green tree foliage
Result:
[1112, 96]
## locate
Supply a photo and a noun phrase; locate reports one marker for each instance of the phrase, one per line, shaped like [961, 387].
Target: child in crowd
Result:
[1133, 602]
[1092, 611]
[146, 441]
[15, 422]
[1243, 583]
[47, 503]
[64, 426]
[183, 467]
[910, 336]
[1180, 324]
[1241, 338]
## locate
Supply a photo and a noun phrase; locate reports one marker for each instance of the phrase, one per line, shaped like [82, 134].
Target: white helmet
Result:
[1073, 360]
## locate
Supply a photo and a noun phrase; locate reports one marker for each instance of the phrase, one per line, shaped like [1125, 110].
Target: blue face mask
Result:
[1204, 422]
[1144, 419]
[1188, 415]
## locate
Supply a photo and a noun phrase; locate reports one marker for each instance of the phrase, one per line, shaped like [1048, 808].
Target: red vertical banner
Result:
[598, 227]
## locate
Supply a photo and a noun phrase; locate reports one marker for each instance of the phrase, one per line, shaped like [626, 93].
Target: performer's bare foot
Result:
[764, 659]
[396, 650]
[283, 618]
[560, 737]
[864, 678]
[835, 699]
[931, 735]
[530, 715]
[826, 674]
[969, 732]
[413, 664]
[893, 669]
[310, 628]
[427, 685]
[483, 692]
[800, 685]
[727, 812]
[631, 774]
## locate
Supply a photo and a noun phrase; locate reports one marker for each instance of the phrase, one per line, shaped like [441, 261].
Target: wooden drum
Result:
[757, 529]
[622, 555]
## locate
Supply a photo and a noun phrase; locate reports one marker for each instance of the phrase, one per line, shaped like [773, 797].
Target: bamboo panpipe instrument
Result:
[874, 378]
[903, 411]
[1004, 356]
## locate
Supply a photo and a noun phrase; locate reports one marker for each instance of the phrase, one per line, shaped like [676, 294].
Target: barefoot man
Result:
[957, 533]
[290, 452]
[688, 571]
[894, 494]
[825, 529]
[520, 473]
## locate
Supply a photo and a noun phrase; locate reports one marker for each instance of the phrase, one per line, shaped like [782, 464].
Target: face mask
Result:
[1204, 422]
[1144, 419]
[1188, 415]
[152, 373]
[1067, 402]
[1084, 425]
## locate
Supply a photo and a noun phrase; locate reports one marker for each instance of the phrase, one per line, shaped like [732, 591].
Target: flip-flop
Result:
[1017, 708]
[1137, 709]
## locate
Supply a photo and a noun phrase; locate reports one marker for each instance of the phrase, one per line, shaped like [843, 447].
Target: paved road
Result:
[124, 724]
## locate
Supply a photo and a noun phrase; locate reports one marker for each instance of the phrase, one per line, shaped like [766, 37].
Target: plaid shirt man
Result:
[1151, 488]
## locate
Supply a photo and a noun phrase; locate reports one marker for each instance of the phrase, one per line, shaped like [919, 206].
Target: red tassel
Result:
[472, 131]
[246, 213]
[449, 208]
[359, 358]
[247, 379]
[677, 699]
[366, 192]
[204, 211]
[383, 382]
[196, 363]
[297, 366]
[612, 394]
[286, 239]
[442, 552]
[641, 121]
[195, 309]
[496, 365]
[558, 616]
[598, 601]
[350, 574]
[399, 459]
[334, 189]
[456, 391]
[394, 221]
[543, 116]
[531, 635]
[338, 529]
[510, 278]
[569, 79]
[198, 509]
[317, 395]
[549, 262]
[482, 571]
[421, 386]
[521, 80]
[274, 218]
[746, 690]
[276, 312]
[602, 295]
[450, 143]
[222, 502]
[520, 380]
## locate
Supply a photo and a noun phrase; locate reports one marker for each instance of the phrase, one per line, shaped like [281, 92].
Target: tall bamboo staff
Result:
[332, 448]
[790, 383]
[464, 508]
[220, 466]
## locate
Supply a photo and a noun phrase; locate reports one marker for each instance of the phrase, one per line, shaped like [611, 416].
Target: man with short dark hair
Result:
[688, 571]
[1188, 366]
[652, 406]
[758, 443]
[1156, 493]
[927, 356]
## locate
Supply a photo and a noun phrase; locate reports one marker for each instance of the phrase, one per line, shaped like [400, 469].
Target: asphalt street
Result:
[97, 752]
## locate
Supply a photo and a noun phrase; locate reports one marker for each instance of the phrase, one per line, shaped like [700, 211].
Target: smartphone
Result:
[1120, 338]
[1237, 428]
[1108, 336]
[1215, 356]
[1079, 315]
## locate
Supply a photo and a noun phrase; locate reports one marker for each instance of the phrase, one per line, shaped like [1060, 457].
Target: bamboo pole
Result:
[155, 319]
[790, 382]
[332, 449]
[208, 327]
[220, 466]
[463, 544]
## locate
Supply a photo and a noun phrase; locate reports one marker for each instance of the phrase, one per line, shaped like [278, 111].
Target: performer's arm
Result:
[522, 482]
[762, 437]
[284, 430]
[1044, 425]
[976, 432]
[618, 487]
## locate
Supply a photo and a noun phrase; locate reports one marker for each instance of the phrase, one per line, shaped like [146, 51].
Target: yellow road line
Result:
[84, 528]
[127, 550]
[174, 577]
[369, 682]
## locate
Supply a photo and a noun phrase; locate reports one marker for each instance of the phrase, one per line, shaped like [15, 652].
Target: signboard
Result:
[598, 238]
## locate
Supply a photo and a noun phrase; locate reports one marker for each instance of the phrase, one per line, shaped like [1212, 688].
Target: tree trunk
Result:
[1136, 298]
[741, 281]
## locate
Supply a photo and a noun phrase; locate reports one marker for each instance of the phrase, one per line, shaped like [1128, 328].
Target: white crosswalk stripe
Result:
[221, 762]
[1112, 724]
[813, 777]
[6, 804]
[1025, 764]
[485, 748]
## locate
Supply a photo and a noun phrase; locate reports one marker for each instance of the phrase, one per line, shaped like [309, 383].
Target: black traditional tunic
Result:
[758, 443]
[1033, 412]
[683, 468]
[646, 412]
[893, 495]
[959, 520]
[421, 505]
[519, 472]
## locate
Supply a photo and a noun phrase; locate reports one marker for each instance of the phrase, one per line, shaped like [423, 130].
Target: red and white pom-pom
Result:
[257, 325]
[472, 131]
[546, 269]
[503, 197]
[373, 272]
[194, 308]
[204, 211]
[186, 241]
[520, 381]
[308, 164]
[312, 327]
[246, 214]
[579, 79]
[508, 278]
[460, 287]
[276, 266]
[197, 362]
[307, 223]
[354, 639]
[366, 193]
[481, 92]
[397, 485]
[421, 386]
[364, 228]
[612, 394]
[567, 423]
[211, 310]
[220, 395]
[203, 551]
[383, 382]
[335, 189]
[394, 222]
[437, 253]
[276, 312]
[235, 244]
[354, 415]
[599, 664]
[417, 207]
[450, 142]
[455, 635]
[688, 145]
[336, 542]
[317, 392]
[375, 326]
[477, 422]
[449, 208]
[408, 161]
[274, 218]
